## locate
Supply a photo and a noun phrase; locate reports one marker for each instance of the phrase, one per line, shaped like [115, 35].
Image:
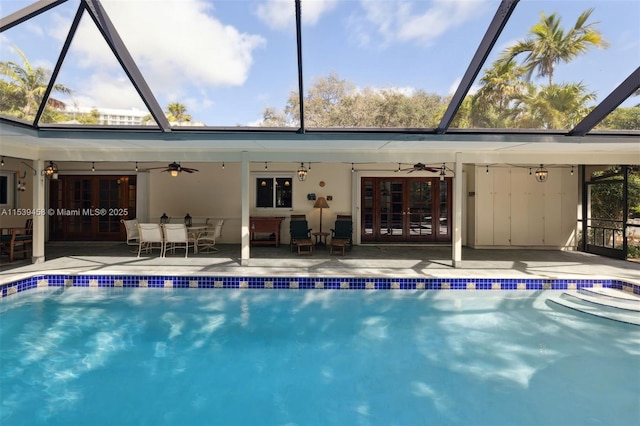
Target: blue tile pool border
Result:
[332, 283]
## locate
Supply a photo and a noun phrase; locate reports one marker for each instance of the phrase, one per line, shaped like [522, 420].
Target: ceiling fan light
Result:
[174, 172]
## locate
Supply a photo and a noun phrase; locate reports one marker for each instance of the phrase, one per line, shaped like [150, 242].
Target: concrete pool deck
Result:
[404, 261]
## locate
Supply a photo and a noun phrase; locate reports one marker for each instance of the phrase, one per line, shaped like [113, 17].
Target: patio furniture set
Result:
[171, 236]
[341, 235]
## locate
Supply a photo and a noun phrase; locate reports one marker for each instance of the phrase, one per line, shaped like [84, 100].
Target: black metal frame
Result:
[602, 249]
[105, 26]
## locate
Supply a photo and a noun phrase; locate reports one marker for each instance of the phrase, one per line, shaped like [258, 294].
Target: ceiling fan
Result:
[419, 167]
[174, 169]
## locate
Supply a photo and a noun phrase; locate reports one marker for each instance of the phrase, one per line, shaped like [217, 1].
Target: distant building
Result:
[112, 116]
[121, 117]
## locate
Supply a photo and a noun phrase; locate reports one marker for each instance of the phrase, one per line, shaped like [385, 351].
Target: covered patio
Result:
[105, 258]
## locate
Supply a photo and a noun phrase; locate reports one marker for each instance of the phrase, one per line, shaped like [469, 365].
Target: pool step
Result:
[603, 306]
[605, 300]
[610, 293]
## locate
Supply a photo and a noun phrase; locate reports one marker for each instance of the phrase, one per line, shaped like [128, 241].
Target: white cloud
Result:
[174, 42]
[398, 21]
[34, 29]
[401, 90]
[280, 14]
[454, 86]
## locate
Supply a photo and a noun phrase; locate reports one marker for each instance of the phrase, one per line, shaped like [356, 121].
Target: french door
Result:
[406, 209]
[91, 207]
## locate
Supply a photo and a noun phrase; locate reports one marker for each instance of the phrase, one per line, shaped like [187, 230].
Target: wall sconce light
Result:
[136, 169]
[188, 220]
[542, 174]
[302, 172]
[93, 166]
[571, 170]
[2, 161]
[443, 172]
[51, 171]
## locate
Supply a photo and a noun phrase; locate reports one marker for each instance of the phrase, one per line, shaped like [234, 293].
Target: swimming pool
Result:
[168, 356]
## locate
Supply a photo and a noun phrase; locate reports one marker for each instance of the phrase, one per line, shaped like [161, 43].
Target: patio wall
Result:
[216, 193]
[503, 208]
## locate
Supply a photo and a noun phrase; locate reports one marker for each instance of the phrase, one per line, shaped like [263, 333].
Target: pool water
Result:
[81, 356]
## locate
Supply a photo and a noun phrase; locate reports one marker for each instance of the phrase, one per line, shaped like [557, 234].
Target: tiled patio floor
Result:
[361, 261]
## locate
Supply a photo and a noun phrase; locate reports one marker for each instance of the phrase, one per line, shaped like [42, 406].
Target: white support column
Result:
[143, 191]
[456, 240]
[245, 250]
[41, 215]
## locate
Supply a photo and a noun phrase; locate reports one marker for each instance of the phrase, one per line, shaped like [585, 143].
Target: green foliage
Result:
[622, 118]
[23, 88]
[548, 44]
[606, 194]
[177, 113]
[334, 102]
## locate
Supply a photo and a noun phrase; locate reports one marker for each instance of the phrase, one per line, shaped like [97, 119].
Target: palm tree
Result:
[491, 106]
[26, 87]
[176, 112]
[559, 106]
[548, 45]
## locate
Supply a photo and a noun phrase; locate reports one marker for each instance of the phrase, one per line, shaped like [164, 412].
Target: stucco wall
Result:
[215, 193]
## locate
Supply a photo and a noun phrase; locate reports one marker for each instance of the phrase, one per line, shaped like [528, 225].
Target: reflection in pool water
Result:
[191, 357]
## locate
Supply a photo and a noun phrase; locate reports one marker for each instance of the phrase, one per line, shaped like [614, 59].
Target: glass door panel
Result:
[91, 207]
[444, 220]
[420, 209]
[367, 209]
[405, 209]
[391, 208]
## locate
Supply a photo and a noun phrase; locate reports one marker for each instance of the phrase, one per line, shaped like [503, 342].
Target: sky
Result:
[229, 60]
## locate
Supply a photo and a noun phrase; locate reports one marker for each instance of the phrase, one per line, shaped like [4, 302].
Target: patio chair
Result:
[150, 237]
[175, 236]
[299, 231]
[20, 241]
[133, 235]
[206, 241]
[343, 230]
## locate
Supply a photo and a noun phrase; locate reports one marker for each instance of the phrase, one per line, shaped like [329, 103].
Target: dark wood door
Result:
[91, 207]
[406, 209]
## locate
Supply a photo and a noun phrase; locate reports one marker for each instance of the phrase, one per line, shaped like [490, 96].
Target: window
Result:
[7, 190]
[274, 192]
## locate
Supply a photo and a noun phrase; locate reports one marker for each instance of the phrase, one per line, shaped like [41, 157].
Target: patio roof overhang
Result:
[128, 144]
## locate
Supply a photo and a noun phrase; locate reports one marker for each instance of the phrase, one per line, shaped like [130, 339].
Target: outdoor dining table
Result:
[195, 231]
